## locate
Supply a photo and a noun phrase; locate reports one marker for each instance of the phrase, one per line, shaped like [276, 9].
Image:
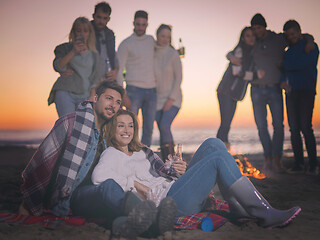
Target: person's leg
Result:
[259, 104]
[164, 121]
[79, 100]
[211, 163]
[306, 100]
[293, 109]
[227, 109]
[275, 103]
[65, 103]
[164, 124]
[136, 96]
[149, 106]
[130, 215]
[103, 200]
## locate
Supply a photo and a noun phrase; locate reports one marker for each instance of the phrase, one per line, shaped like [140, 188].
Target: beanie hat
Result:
[258, 19]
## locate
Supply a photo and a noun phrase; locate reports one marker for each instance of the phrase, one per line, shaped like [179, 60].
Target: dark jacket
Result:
[234, 86]
[300, 68]
[110, 44]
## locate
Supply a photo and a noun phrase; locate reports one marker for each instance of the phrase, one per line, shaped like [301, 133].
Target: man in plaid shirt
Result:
[58, 176]
[62, 164]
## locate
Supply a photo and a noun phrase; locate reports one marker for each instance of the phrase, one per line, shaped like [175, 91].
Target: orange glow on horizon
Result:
[27, 52]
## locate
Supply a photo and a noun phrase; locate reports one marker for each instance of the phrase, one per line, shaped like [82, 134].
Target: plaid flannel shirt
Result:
[159, 167]
[66, 145]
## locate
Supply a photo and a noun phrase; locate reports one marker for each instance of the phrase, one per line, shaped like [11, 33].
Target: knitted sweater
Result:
[168, 73]
[136, 55]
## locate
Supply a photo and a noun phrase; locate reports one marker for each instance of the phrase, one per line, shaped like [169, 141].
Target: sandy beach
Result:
[281, 190]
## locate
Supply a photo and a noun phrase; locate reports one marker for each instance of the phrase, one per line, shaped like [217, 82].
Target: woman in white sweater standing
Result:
[168, 73]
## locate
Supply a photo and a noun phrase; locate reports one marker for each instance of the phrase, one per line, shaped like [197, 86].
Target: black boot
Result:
[166, 215]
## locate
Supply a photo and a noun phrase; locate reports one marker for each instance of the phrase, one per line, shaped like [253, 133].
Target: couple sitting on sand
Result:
[67, 172]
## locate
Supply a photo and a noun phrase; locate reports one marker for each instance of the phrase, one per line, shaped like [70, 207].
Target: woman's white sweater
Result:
[168, 73]
[124, 169]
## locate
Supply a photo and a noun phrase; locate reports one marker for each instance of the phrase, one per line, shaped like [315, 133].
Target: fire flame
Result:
[246, 168]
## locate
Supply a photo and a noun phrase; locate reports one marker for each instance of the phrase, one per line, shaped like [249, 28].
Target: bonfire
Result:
[246, 167]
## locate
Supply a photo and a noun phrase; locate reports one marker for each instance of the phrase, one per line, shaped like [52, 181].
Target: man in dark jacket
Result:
[299, 80]
[105, 41]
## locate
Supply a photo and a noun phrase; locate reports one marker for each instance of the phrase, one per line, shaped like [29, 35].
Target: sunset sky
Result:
[30, 30]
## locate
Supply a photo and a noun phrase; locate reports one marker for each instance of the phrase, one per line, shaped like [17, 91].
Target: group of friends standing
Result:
[261, 59]
[92, 163]
[153, 71]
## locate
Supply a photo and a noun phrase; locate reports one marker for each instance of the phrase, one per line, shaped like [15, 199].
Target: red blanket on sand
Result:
[187, 222]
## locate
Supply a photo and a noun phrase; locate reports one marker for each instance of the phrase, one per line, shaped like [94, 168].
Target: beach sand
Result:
[281, 190]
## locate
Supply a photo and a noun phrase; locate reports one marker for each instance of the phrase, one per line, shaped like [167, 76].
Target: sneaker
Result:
[296, 170]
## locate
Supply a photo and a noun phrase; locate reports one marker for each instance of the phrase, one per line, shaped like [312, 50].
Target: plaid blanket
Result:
[182, 223]
[67, 142]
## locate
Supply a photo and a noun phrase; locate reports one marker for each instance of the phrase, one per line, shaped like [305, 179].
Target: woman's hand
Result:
[234, 60]
[79, 46]
[141, 189]
[168, 104]
[67, 73]
[180, 166]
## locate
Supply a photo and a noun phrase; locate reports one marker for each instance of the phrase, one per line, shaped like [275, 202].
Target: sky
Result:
[30, 30]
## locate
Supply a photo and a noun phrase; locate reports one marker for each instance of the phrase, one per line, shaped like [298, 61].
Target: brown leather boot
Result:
[167, 149]
[267, 165]
[277, 165]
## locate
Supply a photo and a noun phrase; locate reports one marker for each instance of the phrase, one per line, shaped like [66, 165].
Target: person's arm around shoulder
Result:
[298, 59]
[310, 44]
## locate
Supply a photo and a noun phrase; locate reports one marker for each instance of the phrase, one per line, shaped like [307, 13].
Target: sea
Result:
[242, 140]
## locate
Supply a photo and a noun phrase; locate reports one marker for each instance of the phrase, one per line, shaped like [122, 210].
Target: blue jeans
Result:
[210, 164]
[300, 106]
[98, 201]
[66, 103]
[146, 99]
[227, 109]
[164, 120]
[271, 96]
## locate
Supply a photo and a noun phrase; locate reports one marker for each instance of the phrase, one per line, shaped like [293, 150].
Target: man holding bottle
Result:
[105, 41]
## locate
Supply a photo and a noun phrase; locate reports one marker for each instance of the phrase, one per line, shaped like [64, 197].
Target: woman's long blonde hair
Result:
[109, 132]
[91, 43]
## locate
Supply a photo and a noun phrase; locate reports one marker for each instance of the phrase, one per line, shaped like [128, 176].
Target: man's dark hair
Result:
[101, 88]
[105, 7]
[258, 19]
[141, 14]
[291, 24]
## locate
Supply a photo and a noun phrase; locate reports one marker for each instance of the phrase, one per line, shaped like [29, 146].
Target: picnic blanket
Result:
[182, 223]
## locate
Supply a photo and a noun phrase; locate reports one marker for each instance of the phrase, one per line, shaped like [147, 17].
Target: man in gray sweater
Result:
[268, 53]
[135, 55]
